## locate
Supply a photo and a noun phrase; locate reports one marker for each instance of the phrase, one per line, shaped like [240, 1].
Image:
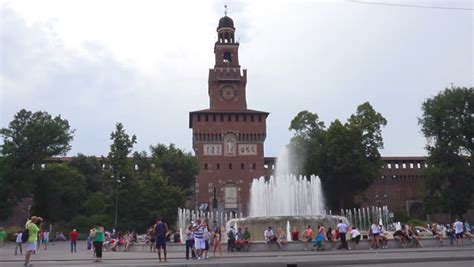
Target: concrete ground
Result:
[58, 255]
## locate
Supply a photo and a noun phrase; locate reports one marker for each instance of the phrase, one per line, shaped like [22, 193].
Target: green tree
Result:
[180, 167]
[28, 141]
[345, 156]
[120, 148]
[121, 171]
[57, 192]
[448, 124]
[306, 144]
[33, 137]
[91, 168]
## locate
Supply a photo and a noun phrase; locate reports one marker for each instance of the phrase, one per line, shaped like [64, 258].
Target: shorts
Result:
[307, 239]
[160, 242]
[376, 234]
[206, 244]
[31, 246]
[459, 235]
[199, 243]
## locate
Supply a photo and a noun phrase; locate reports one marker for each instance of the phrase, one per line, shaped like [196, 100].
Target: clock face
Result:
[228, 93]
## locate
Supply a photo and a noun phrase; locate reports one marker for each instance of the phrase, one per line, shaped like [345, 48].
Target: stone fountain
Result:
[285, 201]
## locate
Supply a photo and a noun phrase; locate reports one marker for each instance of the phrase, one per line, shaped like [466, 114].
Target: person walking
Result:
[18, 242]
[342, 228]
[32, 241]
[99, 237]
[73, 235]
[161, 229]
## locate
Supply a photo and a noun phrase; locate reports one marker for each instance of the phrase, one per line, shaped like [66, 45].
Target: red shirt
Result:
[295, 235]
[73, 236]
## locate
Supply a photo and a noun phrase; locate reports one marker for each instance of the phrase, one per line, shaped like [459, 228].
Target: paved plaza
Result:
[58, 255]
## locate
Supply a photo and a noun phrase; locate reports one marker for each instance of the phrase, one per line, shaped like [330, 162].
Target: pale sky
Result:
[145, 63]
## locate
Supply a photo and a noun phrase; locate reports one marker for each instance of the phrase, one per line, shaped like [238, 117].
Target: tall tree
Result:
[33, 137]
[122, 178]
[180, 167]
[345, 156]
[120, 148]
[28, 141]
[448, 124]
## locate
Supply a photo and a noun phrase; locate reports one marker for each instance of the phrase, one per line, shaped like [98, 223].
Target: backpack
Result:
[24, 235]
[230, 234]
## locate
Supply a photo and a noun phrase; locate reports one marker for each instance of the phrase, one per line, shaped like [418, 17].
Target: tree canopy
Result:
[345, 155]
[448, 124]
[28, 141]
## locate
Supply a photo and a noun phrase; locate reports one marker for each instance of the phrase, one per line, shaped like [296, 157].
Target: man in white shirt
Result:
[342, 227]
[268, 235]
[459, 230]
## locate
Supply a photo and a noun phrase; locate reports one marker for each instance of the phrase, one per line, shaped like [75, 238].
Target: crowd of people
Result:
[200, 237]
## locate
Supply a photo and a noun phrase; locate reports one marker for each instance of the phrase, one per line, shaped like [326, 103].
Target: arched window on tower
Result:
[227, 57]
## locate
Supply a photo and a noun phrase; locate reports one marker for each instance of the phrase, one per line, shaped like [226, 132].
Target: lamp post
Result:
[28, 212]
[117, 184]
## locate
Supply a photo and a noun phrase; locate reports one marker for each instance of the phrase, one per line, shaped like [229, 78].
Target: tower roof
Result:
[226, 22]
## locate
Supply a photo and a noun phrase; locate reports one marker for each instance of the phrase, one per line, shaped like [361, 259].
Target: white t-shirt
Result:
[355, 233]
[18, 237]
[267, 234]
[458, 227]
[342, 228]
[375, 229]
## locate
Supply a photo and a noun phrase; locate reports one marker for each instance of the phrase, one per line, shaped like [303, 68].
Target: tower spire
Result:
[225, 10]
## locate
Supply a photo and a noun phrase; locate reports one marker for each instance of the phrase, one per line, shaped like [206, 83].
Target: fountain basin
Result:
[257, 225]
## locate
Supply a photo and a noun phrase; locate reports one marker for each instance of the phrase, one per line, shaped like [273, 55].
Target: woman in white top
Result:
[375, 230]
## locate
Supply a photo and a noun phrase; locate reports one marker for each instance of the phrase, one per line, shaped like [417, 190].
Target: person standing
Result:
[342, 228]
[231, 239]
[459, 231]
[216, 240]
[18, 242]
[199, 243]
[3, 236]
[99, 237]
[73, 239]
[32, 242]
[190, 242]
[161, 229]
[45, 239]
[206, 236]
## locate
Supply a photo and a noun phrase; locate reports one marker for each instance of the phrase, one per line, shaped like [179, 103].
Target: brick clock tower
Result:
[228, 138]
